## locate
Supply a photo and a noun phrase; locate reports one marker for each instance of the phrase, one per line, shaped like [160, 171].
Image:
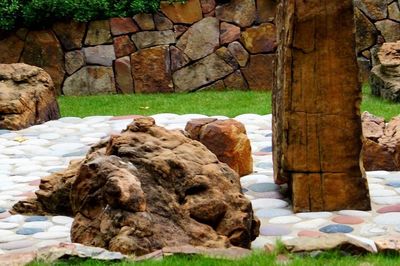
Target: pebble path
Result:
[35, 152]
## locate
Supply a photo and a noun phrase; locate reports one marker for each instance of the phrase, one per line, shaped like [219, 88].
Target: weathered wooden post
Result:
[316, 99]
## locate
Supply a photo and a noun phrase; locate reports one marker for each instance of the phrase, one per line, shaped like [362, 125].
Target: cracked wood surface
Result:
[316, 99]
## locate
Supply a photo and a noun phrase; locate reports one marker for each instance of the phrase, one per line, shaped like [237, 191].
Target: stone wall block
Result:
[90, 80]
[99, 32]
[241, 55]
[259, 72]
[389, 29]
[123, 46]
[187, 13]
[42, 49]
[266, 10]
[201, 39]
[146, 39]
[207, 6]
[240, 12]
[151, 70]
[236, 81]
[366, 33]
[123, 75]
[145, 21]
[178, 58]
[374, 9]
[74, 60]
[11, 48]
[394, 11]
[162, 22]
[120, 26]
[201, 73]
[229, 33]
[103, 55]
[70, 34]
[260, 39]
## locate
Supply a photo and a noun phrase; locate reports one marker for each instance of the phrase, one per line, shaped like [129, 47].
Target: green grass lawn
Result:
[229, 103]
[257, 259]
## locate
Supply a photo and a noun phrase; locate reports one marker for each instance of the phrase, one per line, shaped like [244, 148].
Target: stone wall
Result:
[202, 45]
[377, 21]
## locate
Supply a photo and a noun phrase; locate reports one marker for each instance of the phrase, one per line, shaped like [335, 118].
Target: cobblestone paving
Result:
[29, 154]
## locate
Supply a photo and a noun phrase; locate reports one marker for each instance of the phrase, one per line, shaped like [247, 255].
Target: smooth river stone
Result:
[268, 203]
[71, 120]
[4, 233]
[5, 225]
[336, 228]
[42, 225]
[26, 169]
[17, 244]
[370, 230]
[355, 213]
[271, 213]
[255, 178]
[397, 228]
[391, 218]
[59, 228]
[17, 218]
[62, 219]
[274, 230]
[2, 210]
[395, 184]
[29, 231]
[310, 224]
[50, 136]
[373, 180]
[263, 187]
[391, 208]
[386, 200]
[376, 186]
[308, 233]
[377, 174]
[285, 220]
[51, 235]
[314, 215]
[261, 241]
[347, 220]
[66, 146]
[36, 219]
[382, 193]
[13, 237]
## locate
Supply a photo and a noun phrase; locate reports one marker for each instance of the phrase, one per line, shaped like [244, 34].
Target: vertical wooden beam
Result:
[316, 99]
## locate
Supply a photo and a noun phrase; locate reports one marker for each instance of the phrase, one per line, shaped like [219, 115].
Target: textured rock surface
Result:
[11, 47]
[260, 39]
[229, 33]
[121, 26]
[123, 75]
[145, 39]
[385, 77]
[99, 32]
[315, 127]
[90, 80]
[151, 70]
[102, 55]
[42, 49]
[27, 96]
[201, 39]
[74, 60]
[145, 21]
[123, 46]
[70, 34]
[227, 139]
[240, 12]
[259, 72]
[366, 32]
[188, 13]
[201, 73]
[149, 188]
[381, 150]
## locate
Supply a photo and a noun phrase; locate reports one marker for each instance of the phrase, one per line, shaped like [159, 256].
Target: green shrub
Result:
[42, 13]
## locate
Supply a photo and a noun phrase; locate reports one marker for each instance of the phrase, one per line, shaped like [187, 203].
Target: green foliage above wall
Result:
[41, 13]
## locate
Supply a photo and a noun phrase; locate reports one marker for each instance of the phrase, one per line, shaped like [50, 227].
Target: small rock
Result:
[29, 231]
[336, 228]
[391, 218]
[36, 219]
[347, 220]
[274, 230]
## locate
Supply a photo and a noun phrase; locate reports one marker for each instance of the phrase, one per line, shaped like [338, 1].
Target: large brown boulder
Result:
[225, 138]
[385, 77]
[149, 188]
[381, 149]
[27, 96]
